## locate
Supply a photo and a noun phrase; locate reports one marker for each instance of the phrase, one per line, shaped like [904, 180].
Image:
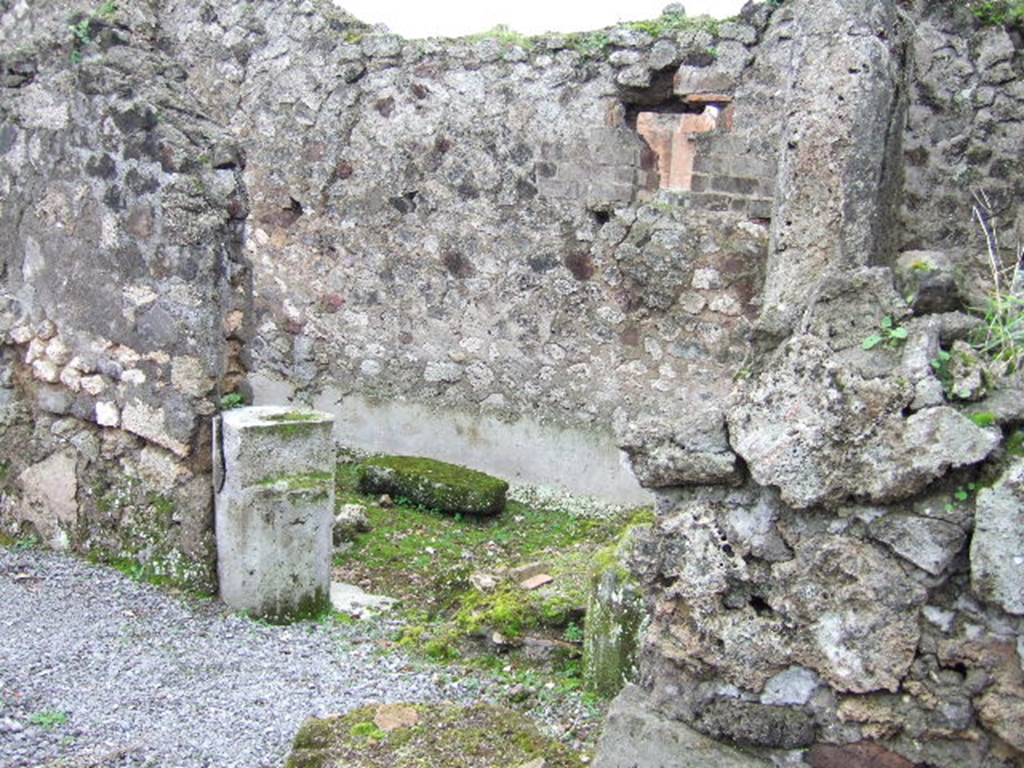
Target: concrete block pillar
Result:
[274, 478]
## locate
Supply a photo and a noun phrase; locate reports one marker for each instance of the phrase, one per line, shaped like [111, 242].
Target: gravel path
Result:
[146, 679]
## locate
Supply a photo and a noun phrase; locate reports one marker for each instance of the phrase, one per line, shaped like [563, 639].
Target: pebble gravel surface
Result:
[99, 670]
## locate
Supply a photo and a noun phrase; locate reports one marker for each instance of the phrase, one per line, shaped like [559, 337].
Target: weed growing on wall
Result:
[82, 31]
[1000, 13]
[1002, 337]
[231, 401]
[890, 334]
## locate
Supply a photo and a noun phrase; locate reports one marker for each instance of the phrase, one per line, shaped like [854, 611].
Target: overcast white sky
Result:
[452, 18]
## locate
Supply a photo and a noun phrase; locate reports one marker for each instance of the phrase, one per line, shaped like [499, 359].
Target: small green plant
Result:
[505, 35]
[983, 419]
[672, 22]
[25, 543]
[82, 30]
[573, 633]
[1002, 337]
[1015, 443]
[961, 496]
[588, 44]
[49, 719]
[230, 401]
[891, 335]
[940, 364]
[998, 13]
[368, 731]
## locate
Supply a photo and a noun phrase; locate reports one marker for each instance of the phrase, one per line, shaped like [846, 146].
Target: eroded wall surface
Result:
[477, 242]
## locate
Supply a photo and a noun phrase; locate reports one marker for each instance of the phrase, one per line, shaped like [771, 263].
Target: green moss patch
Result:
[309, 481]
[293, 416]
[1015, 443]
[144, 543]
[311, 606]
[1000, 13]
[434, 484]
[983, 419]
[481, 736]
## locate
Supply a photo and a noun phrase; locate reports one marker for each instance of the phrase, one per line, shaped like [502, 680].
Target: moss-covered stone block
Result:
[611, 634]
[481, 736]
[434, 484]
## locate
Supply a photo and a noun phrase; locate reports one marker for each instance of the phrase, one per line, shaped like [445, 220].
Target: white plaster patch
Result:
[49, 497]
[36, 351]
[34, 262]
[45, 370]
[107, 414]
[125, 355]
[472, 344]
[611, 315]
[940, 617]
[706, 278]
[794, 686]
[355, 319]
[692, 303]
[21, 334]
[830, 633]
[133, 376]
[109, 230]
[58, 351]
[437, 371]
[71, 378]
[370, 368]
[726, 304]
[149, 423]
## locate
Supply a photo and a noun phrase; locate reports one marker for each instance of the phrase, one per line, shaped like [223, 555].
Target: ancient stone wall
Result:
[670, 241]
[845, 606]
[121, 235]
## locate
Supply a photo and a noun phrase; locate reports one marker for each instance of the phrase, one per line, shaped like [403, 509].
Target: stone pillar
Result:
[615, 613]
[274, 484]
[670, 137]
[838, 183]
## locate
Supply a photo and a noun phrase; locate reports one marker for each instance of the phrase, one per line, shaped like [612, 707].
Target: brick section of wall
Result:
[604, 167]
[671, 137]
[729, 176]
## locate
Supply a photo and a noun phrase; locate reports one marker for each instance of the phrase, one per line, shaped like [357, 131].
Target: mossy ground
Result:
[480, 736]
[424, 559]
